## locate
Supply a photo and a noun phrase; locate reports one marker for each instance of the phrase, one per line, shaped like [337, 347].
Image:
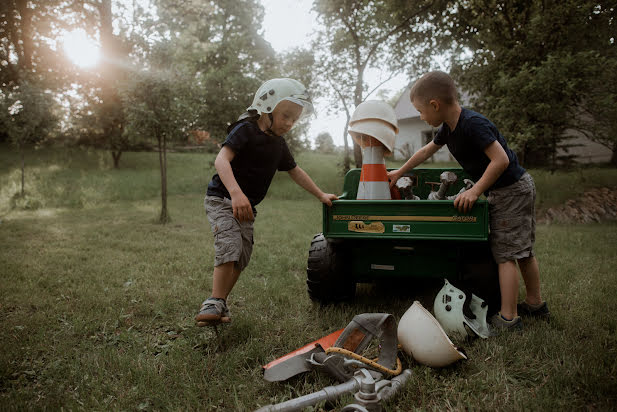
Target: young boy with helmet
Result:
[250, 156]
[483, 152]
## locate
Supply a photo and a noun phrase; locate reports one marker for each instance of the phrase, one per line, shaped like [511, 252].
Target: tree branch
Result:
[393, 75]
[402, 24]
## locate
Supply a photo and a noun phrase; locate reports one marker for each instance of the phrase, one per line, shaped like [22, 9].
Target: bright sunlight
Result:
[80, 48]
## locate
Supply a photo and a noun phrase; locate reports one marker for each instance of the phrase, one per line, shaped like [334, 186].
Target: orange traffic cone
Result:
[374, 176]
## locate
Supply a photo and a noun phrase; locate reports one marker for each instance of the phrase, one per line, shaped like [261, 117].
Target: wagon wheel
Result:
[327, 278]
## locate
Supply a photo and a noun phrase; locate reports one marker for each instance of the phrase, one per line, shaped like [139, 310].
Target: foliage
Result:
[390, 36]
[28, 44]
[299, 64]
[157, 106]
[597, 118]
[222, 47]
[27, 114]
[532, 67]
[28, 52]
[324, 143]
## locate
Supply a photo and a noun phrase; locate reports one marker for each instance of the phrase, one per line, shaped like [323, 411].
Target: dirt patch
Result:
[595, 205]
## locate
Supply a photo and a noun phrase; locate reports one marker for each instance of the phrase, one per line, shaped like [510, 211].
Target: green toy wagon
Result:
[365, 241]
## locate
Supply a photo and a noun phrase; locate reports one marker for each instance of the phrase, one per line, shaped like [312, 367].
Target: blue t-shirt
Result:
[473, 133]
[257, 158]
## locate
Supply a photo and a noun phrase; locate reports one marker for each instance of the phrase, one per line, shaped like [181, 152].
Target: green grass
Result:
[97, 300]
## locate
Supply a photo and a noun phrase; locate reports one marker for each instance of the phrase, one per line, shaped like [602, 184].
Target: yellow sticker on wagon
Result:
[361, 227]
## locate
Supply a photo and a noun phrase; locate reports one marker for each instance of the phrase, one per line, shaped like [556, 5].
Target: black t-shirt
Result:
[473, 133]
[257, 158]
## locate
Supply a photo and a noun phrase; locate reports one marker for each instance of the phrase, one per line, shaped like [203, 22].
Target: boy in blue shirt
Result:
[484, 154]
[252, 153]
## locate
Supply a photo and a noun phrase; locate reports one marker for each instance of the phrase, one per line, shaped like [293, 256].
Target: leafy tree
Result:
[157, 106]
[299, 64]
[532, 67]
[222, 45]
[324, 143]
[29, 118]
[392, 36]
[27, 49]
[110, 110]
[97, 116]
[27, 31]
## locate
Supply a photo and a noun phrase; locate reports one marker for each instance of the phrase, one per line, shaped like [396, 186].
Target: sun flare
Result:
[80, 48]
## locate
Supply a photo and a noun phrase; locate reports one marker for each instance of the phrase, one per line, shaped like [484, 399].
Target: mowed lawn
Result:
[97, 299]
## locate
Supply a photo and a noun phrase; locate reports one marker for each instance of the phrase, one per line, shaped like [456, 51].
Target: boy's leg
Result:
[214, 309]
[531, 275]
[224, 278]
[233, 244]
[508, 286]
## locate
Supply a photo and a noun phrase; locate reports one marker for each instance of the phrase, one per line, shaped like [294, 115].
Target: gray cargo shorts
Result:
[513, 220]
[233, 240]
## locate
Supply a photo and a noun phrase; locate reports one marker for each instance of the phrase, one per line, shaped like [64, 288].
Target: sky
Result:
[289, 24]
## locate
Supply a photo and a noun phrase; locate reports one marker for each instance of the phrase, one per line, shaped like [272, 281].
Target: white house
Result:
[413, 132]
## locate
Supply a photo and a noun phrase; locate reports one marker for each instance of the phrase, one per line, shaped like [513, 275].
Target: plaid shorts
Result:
[233, 240]
[513, 220]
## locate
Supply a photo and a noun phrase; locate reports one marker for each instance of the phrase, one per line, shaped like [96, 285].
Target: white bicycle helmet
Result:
[375, 109]
[448, 308]
[377, 119]
[273, 91]
[422, 337]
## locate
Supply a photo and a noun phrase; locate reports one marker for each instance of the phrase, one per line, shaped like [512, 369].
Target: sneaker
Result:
[541, 311]
[500, 324]
[213, 311]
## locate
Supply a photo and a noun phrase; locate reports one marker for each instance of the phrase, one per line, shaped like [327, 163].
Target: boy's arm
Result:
[498, 164]
[241, 205]
[419, 157]
[303, 180]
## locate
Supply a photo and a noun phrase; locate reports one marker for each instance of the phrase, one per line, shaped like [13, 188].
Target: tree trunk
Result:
[346, 159]
[357, 150]
[112, 110]
[554, 155]
[25, 15]
[115, 154]
[164, 218]
[23, 171]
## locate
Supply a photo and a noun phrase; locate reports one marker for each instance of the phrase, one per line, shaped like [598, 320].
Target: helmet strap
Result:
[269, 130]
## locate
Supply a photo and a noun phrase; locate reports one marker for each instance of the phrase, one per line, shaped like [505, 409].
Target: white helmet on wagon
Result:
[377, 119]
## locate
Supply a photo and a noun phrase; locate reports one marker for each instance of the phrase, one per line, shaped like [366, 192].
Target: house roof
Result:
[403, 108]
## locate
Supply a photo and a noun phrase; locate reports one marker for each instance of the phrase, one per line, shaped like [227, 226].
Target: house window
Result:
[427, 136]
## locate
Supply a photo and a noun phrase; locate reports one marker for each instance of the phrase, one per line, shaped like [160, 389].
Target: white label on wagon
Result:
[401, 228]
[382, 267]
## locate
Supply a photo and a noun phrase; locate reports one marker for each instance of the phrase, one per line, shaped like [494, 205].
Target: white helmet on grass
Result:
[422, 337]
[448, 308]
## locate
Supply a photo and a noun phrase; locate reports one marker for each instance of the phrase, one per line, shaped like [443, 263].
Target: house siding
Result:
[412, 129]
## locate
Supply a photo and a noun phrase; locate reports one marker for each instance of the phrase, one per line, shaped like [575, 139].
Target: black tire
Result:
[326, 279]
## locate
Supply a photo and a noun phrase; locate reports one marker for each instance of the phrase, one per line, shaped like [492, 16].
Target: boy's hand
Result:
[327, 198]
[465, 201]
[393, 176]
[243, 211]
